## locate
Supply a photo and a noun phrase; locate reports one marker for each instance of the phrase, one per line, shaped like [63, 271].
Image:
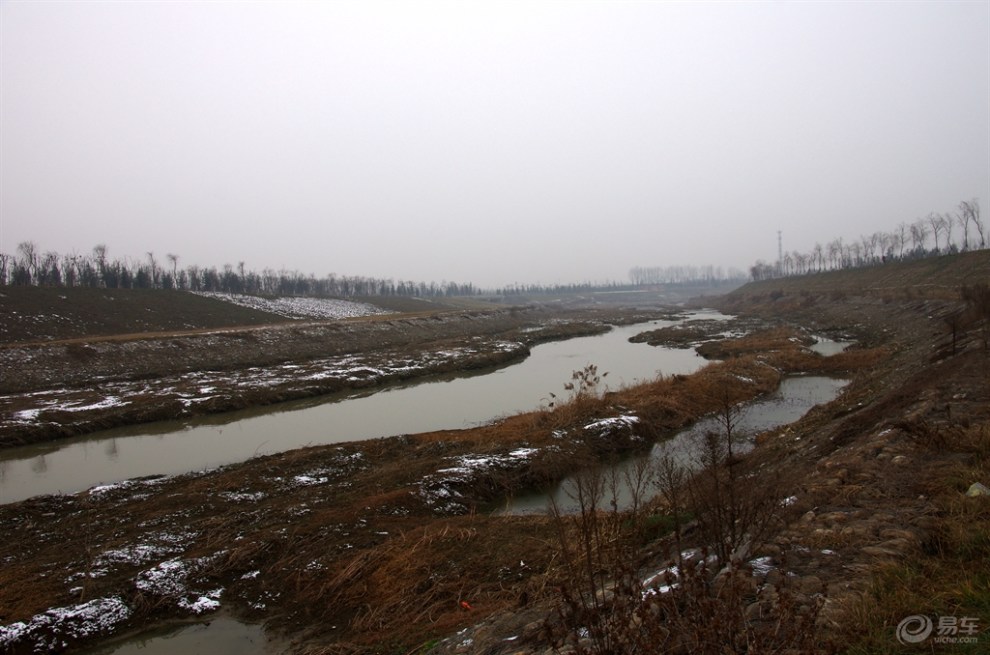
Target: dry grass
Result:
[951, 577]
[434, 579]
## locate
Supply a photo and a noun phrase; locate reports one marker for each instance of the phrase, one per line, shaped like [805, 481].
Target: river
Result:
[450, 402]
[792, 400]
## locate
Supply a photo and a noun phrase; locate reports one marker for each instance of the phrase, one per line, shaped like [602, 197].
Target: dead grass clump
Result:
[853, 359]
[764, 341]
[433, 580]
[950, 577]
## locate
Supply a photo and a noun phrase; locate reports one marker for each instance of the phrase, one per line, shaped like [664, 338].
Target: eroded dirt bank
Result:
[73, 387]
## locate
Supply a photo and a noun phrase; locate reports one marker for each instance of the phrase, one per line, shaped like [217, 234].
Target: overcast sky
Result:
[491, 142]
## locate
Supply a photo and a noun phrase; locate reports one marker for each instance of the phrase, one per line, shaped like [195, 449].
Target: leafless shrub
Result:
[706, 604]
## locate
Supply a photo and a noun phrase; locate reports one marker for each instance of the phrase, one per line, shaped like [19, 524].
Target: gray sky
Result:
[494, 142]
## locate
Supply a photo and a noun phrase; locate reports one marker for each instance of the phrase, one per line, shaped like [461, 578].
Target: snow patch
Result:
[50, 630]
[440, 489]
[170, 579]
[297, 307]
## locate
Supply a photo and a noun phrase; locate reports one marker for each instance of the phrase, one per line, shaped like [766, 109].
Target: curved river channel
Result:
[453, 402]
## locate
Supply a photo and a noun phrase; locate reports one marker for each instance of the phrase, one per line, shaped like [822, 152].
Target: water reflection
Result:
[789, 403]
[221, 636]
[39, 465]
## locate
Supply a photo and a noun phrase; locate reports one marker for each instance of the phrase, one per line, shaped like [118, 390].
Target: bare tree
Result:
[856, 253]
[818, 255]
[100, 255]
[901, 235]
[919, 234]
[834, 253]
[971, 209]
[963, 218]
[48, 270]
[29, 259]
[948, 222]
[4, 264]
[174, 260]
[153, 265]
[937, 225]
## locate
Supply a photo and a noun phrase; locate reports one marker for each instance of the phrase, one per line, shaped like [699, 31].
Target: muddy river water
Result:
[792, 400]
[454, 402]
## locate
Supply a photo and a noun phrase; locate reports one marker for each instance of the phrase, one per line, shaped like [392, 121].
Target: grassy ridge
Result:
[41, 313]
[935, 277]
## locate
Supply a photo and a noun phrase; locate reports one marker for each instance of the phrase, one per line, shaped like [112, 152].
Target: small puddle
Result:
[221, 636]
[827, 347]
[792, 400]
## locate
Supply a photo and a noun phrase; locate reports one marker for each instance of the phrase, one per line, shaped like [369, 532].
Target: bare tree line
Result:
[650, 275]
[935, 234]
[32, 267]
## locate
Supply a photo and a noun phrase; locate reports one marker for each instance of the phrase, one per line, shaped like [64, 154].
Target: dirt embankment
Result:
[78, 386]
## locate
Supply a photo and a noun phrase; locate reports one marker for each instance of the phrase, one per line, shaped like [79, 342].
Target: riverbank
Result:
[61, 389]
[375, 545]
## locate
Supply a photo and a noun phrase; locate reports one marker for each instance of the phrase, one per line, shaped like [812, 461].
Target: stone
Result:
[774, 577]
[877, 551]
[809, 584]
[532, 630]
[835, 517]
[898, 533]
[768, 550]
[977, 489]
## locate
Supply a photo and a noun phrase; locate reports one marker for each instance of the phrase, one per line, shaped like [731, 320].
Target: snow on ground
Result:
[295, 307]
[439, 490]
[101, 489]
[51, 630]
[608, 424]
[170, 579]
[201, 386]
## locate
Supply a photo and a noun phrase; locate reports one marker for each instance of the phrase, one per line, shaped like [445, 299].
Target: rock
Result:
[768, 550]
[774, 578]
[835, 517]
[899, 545]
[877, 551]
[754, 611]
[810, 584]
[977, 489]
[532, 630]
[855, 531]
